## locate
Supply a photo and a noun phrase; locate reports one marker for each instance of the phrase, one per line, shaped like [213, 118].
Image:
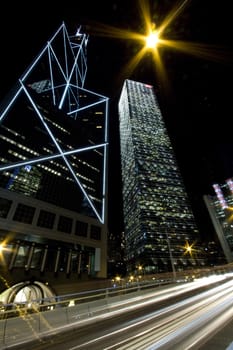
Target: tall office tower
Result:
[220, 208]
[53, 163]
[158, 220]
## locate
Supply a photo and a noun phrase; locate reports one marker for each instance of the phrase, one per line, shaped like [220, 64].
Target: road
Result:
[176, 317]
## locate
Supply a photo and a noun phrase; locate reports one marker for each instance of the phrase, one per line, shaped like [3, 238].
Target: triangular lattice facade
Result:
[53, 131]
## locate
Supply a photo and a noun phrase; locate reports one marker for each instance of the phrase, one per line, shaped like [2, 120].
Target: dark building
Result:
[116, 255]
[53, 171]
[160, 229]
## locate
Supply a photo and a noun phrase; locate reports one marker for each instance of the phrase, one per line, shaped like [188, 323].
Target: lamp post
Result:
[140, 271]
[171, 258]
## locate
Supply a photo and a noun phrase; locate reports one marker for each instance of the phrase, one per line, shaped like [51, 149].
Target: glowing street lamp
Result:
[171, 257]
[152, 40]
[189, 249]
[152, 37]
[140, 268]
[140, 271]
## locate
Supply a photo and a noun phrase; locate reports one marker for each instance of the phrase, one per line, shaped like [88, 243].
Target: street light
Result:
[140, 270]
[152, 40]
[171, 258]
[189, 249]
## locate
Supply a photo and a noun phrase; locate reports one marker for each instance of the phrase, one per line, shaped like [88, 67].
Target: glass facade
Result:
[158, 219]
[220, 208]
[53, 166]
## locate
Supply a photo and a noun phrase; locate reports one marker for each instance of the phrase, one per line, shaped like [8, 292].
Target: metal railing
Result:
[24, 322]
[38, 318]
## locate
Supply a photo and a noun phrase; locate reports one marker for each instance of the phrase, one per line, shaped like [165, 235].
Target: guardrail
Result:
[35, 320]
[30, 322]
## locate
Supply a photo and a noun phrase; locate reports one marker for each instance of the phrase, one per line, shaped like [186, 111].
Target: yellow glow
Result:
[151, 38]
[189, 249]
[172, 15]
[2, 248]
[230, 219]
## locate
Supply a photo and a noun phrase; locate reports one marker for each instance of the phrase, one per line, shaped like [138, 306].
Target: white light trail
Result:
[179, 318]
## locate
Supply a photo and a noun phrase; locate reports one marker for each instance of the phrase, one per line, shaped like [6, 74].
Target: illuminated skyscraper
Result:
[158, 220]
[220, 208]
[53, 161]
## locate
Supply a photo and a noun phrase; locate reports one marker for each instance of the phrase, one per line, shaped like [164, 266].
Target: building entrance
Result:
[28, 294]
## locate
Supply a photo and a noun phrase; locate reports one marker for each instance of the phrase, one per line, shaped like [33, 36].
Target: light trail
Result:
[143, 328]
[179, 319]
[181, 323]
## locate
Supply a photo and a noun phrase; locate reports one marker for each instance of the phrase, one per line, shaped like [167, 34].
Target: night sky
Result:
[195, 100]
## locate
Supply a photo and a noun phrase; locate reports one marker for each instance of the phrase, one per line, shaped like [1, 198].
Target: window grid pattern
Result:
[24, 213]
[155, 203]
